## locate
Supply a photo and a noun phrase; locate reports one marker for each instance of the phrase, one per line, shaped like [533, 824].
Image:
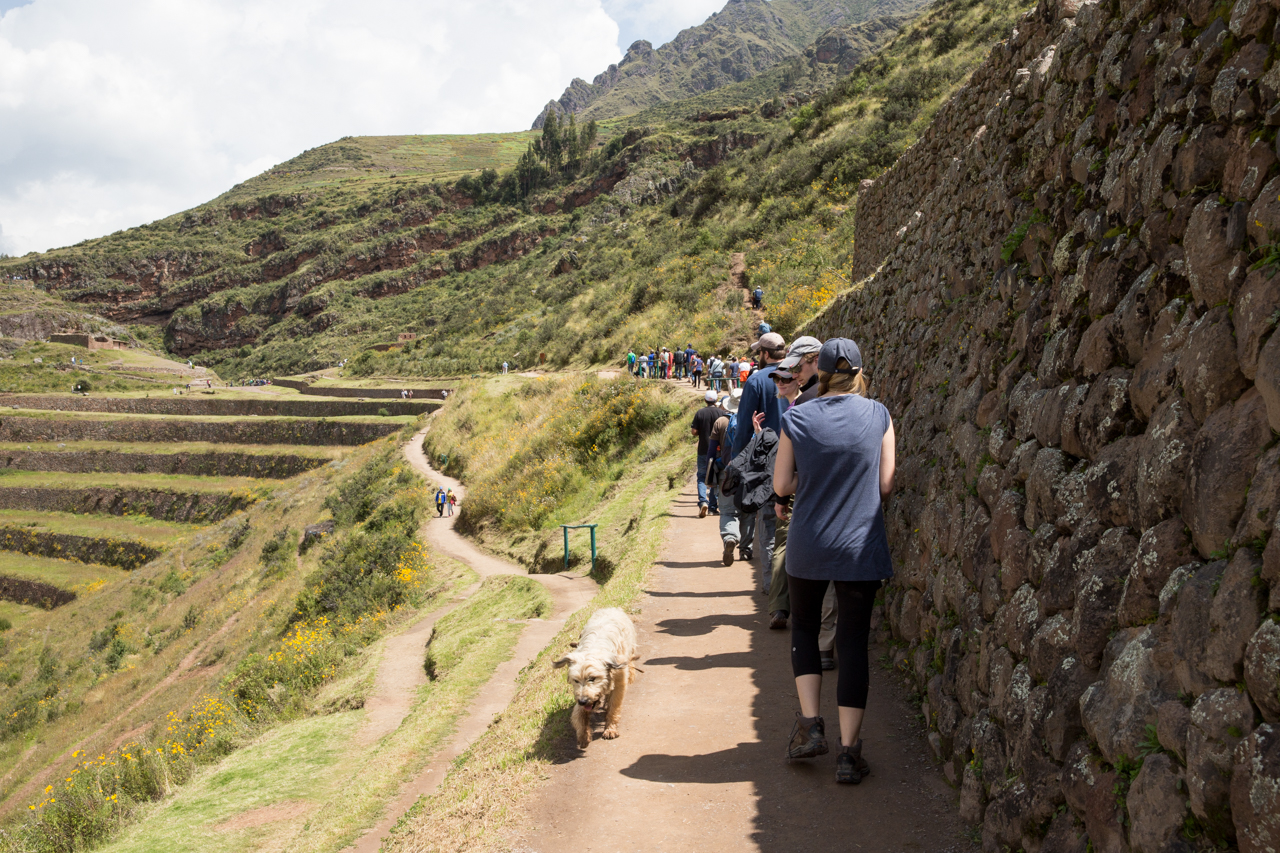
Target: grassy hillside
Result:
[629, 246]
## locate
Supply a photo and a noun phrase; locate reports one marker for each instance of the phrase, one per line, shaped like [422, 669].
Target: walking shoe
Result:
[808, 738]
[778, 620]
[702, 510]
[828, 660]
[727, 558]
[851, 767]
[745, 554]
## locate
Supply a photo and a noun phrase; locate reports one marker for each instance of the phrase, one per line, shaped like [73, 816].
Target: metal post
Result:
[565, 528]
[593, 549]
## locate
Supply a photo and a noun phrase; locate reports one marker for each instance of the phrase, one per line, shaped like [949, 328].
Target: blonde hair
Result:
[842, 383]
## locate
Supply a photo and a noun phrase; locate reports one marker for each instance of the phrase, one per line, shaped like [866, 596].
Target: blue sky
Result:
[119, 113]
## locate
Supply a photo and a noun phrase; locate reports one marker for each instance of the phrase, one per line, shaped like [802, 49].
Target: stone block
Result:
[1090, 791]
[1099, 348]
[1049, 467]
[1262, 670]
[1103, 571]
[1234, 616]
[1117, 709]
[1267, 379]
[1223, 457]
[1255, 792]
[1255, 306]
[1172, 721]
[1109, 487]
[1063, 723]
[1157, 807]
[1262, 503]
[1161, 549]
[1220, 720]
[1212, 267]
[1189, 628]
[1106, 413]
[1207, 366]
[1163, 457]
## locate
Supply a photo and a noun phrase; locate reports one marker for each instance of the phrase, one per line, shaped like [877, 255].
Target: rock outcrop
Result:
[1067, 304]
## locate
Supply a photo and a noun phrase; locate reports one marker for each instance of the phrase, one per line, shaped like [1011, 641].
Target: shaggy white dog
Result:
[600, 668]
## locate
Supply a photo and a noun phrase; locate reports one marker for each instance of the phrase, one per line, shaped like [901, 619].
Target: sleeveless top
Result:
[837, 525]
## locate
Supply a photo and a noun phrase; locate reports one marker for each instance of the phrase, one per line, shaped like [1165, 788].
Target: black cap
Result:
[834, 350]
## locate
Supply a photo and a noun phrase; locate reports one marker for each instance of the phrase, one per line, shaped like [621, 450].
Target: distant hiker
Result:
[743, 370]
[689, 353]
[631, 362]
[697, 370]
[677, 360]
[715, 368]
[757, 298]
[703, 420]
[452, 500]
[836, 454]
[504, 367]
[760, 396]
[718, 459]
[440, 499]
[764, 328]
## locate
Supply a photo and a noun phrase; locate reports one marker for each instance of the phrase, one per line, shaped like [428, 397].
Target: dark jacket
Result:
[749, 477]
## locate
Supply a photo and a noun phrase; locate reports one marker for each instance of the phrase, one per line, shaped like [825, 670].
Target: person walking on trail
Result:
[440, 499]
[703, 420]
[715, 367]
[631, 362]
[678, 359]
[689, 353]
[760, 396]
[697, 370]
[452, 500]
[718, 459]
[836, 455]
[757, 298]
[504, 367]
[800, 363]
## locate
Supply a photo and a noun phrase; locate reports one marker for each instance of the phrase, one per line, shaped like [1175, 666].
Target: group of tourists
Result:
[799, 490]
[445, 500]
[716, 373]
[406, 393]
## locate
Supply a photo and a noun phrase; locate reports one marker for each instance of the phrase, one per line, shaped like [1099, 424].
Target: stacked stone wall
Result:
[1079, 356]
[210, 464]
[217, 407]
[122, 553]
[281, 431]
[195, 507]
[367, 393]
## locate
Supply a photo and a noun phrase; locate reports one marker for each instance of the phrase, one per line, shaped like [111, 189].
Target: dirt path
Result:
[699, 765]
[400, 673]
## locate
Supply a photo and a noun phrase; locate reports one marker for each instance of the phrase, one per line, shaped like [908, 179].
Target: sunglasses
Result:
[780, 379]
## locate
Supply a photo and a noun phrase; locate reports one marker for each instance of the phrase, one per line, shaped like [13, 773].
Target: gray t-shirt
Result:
[837, 525]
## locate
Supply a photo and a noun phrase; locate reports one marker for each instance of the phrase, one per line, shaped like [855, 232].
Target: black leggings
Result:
[854, 600]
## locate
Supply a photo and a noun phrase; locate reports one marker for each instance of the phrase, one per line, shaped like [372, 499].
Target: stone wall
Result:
[217, 407]
[273, 431]
[121, 553]
[1086, 389]
[23, 591]
[195, 507]
[357, 393]
[210, 464]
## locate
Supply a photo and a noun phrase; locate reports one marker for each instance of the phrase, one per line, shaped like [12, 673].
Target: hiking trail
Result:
[699, 765]
[401, 674]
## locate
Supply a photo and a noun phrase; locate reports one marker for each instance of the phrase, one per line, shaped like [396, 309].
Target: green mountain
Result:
[534, 259]
[740, 41]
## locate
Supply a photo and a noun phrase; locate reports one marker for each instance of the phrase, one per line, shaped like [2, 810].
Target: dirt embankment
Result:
[283, 431]
[86, 549]
[157, 503]
[211, 464]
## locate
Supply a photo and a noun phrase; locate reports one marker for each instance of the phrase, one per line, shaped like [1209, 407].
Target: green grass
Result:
[114, 416]
[132, 527]
[80, 578]
[167, 482]
[317, 765]
[175, 448]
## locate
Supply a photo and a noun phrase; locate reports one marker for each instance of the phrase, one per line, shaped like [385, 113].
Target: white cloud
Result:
[657, 21]
[115, 114]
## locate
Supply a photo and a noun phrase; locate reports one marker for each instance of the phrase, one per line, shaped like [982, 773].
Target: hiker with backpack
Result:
[757, 298]
[718, 452]
[836, 455]
[631, 362]
[697, 370]
[759, 396]
[440, 503]
[716, 368]
[703, 420]
[678, 359]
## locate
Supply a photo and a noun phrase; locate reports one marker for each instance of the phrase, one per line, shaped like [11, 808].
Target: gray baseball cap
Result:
[834, 350]
[769, 341]
[800, 347]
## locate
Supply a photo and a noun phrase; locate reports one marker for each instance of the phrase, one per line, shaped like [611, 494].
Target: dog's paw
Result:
[609, 733]
[584, 742]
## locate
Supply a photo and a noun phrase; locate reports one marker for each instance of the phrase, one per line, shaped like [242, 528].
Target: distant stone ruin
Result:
[77, 339]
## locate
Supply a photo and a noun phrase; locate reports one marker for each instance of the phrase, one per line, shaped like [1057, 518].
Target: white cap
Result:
[710, 396]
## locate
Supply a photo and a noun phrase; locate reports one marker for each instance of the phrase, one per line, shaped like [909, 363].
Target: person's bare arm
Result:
[887, 461]
[784, 468]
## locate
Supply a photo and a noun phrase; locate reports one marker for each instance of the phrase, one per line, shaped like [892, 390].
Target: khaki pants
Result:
[780, 598]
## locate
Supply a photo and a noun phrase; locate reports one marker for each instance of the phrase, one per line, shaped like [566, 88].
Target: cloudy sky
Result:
[114, 113]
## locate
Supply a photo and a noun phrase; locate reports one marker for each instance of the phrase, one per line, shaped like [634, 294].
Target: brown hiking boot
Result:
[851, 767]
[778, 620]
[808, 738]
[727, 557]
[702, 511]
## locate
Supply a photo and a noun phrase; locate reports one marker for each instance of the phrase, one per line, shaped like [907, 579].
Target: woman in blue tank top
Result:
[836, 455]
